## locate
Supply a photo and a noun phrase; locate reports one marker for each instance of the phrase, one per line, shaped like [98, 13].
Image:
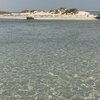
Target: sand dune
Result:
[42, 15]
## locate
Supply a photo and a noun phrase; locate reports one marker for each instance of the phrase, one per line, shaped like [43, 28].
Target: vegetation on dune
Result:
[73, 11]
[65, 11]
[57, 11]
[4, 12]
[32, 11]
[25, 11]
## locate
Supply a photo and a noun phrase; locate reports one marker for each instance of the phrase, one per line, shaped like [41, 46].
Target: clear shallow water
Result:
[49, 60]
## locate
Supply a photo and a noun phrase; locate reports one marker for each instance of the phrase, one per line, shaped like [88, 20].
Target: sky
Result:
[19, 5]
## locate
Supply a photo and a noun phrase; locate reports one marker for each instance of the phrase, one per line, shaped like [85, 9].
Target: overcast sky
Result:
[18, 5]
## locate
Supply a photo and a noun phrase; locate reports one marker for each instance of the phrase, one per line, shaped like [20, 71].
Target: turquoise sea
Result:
[49, 60]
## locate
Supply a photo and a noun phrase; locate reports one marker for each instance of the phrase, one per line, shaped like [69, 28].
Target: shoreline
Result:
[67, 18]
[49, 18]
[12, 17]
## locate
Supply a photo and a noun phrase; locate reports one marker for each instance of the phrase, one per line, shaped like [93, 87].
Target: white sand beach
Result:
[12, 17]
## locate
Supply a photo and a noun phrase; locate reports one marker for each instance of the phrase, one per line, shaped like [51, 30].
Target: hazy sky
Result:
[18, 5]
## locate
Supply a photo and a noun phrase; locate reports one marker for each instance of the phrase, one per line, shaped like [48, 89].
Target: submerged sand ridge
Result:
[58, 14]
